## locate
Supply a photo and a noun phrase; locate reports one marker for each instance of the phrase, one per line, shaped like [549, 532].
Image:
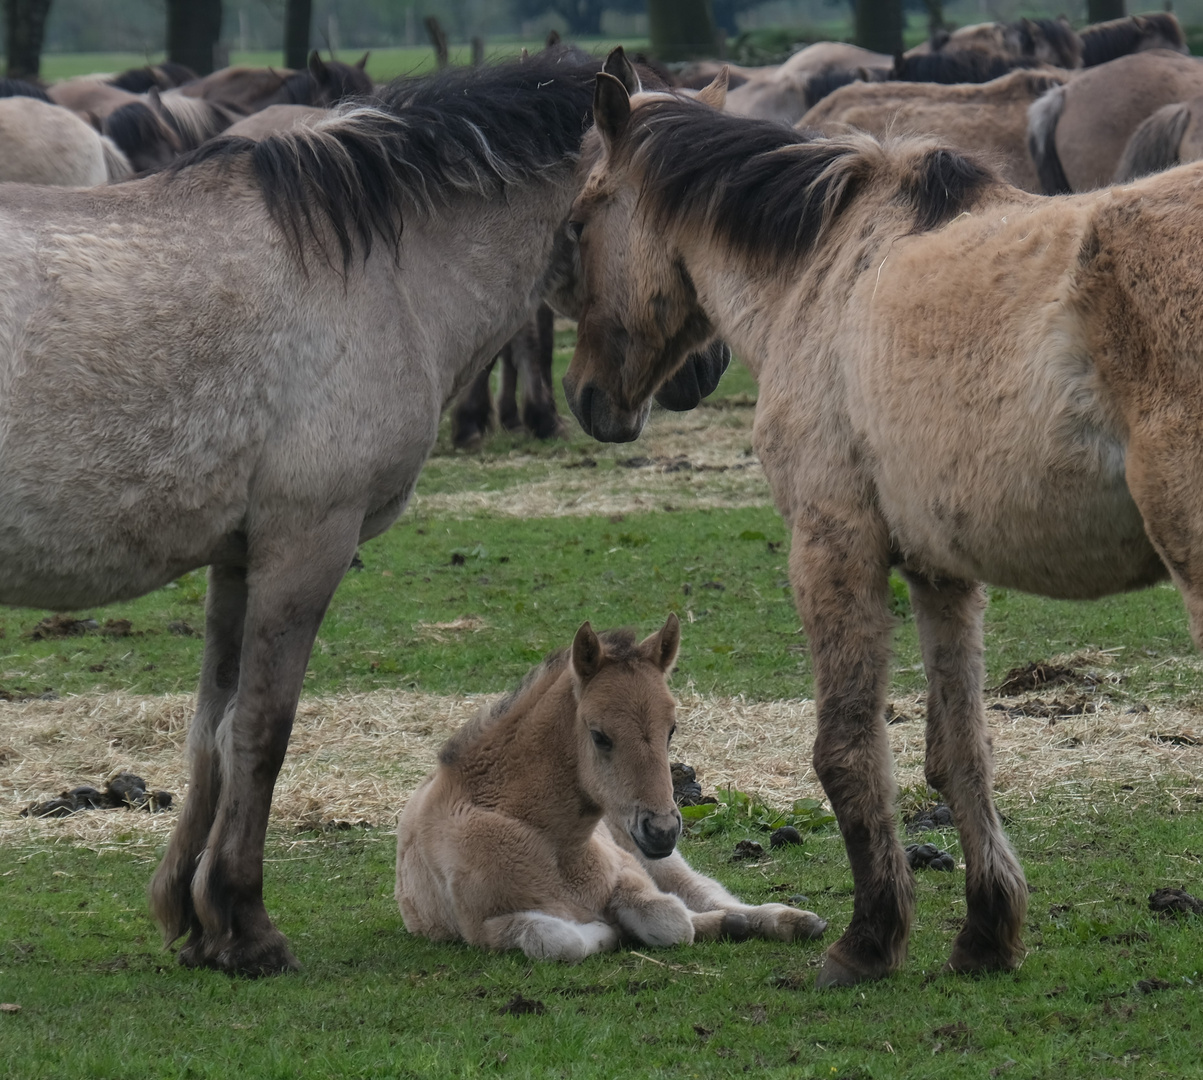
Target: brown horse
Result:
[246, 90]
[1077, 133]
[989, 119]
[549, 825]
[958, 379]
[1173, 135]
[1026, 42]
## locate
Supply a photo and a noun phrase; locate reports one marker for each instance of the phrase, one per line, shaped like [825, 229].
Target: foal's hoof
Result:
[735, 927]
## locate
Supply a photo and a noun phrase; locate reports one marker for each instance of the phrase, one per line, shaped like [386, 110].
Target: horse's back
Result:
[47, 144]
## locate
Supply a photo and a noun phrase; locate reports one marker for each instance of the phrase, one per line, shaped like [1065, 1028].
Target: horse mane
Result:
[21, 88]
[468, 130]
[135, 128]
[1057, 33]
[1108, 40]
[194, 119]
[771, 192]
[956, 66]
[620, 646]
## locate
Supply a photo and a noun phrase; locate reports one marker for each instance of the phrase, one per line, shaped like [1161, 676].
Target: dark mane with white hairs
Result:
[464, 130]
[769, 191]
[21, 88]
[1119, 37]
[620, 645]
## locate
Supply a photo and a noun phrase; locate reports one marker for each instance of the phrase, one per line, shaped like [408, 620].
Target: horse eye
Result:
[575, 228]
[602, 741]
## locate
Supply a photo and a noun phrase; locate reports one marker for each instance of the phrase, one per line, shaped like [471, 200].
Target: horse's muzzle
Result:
[656, 835]
[594, 410]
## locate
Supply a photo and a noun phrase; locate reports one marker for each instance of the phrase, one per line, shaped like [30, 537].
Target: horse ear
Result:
[362, 62]
[586, 653]
[715, 95]
[611, 106]
[623, 70]
[317, 67]
[155, 101]
[661, 648]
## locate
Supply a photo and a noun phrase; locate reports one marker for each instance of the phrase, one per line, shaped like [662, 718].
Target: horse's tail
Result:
[1154, 145]
[116, 164]
[1043, 115]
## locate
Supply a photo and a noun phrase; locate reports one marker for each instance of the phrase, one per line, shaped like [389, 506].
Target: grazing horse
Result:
[988, 119]
[1077, 133]
[319, 297]
[958, 379]
[46, 144]
[549, 825]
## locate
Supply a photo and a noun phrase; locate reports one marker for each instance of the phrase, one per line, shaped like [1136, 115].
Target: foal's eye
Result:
[575, 228]
[602, 741]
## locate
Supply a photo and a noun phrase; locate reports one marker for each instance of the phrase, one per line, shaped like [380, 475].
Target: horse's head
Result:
[625, 718]
[640, 318]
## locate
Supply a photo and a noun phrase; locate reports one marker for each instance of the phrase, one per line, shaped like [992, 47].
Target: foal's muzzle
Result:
[656, 835]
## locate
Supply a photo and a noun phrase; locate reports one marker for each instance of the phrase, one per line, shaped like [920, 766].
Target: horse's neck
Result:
[475, 270]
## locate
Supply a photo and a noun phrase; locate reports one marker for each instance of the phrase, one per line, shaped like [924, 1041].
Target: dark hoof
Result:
[736, 927]
[471, 441]
[841, 969]
[252, 960]
[970, 956]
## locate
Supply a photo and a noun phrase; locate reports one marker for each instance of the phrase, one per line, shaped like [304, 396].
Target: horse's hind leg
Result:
[472, 415]
[839, 568]
[171, 887]
[534, 351]
[507, 392]
[289, 585]
[960, 766]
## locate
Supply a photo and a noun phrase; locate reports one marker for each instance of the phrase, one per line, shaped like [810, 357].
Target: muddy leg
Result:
[507, 396]
[960, 766]
[287, 595]
[472, 415]
[839, 568]
[170, 888]
[534, 350]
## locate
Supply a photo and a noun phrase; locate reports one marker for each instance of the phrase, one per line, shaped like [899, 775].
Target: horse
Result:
[1034, 41]
[246, 90]
[528, 353]
[156, 129]
[988, 119]
[21, 88]
[1120, 37]
[49, 145]
[276, 119]
[1077, 132]
[1173, 135]
[319, 297]
[957, 378]
[549, 824]
[163, 76]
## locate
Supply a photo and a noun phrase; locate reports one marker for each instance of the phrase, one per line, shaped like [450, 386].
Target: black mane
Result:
[462, 130]
[1119, 37]
[20, 88]
[1064, 41]
[955, 66]
[727, 172]
[164, 76]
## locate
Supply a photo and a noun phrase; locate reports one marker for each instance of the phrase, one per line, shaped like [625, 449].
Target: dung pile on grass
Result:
[355, 758]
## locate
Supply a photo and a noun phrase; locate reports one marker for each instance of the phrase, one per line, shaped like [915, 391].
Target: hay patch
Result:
[355, 758]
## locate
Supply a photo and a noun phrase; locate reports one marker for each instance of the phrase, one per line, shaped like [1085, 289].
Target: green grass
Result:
[99, 998]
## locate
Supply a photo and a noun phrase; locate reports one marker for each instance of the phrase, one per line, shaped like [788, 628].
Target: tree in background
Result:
[725, 12]
[879, 25]
[193, 31]
[1102, 10]
[681, 29]
[582, 16]
[24, 26]
[298, 21]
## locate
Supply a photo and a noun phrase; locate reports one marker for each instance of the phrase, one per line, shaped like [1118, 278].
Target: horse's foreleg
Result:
[644, 912]
[170, 889]
[960, 766]
[288, 589]
[534, 351]
[542, 936]
[839, 566]
[507, 393]
[472, 415]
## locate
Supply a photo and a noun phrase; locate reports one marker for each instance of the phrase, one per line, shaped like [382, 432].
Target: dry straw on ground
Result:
[355, 758]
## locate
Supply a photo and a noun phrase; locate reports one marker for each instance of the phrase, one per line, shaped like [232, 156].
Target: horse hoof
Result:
[809, 927]
[839, 971]
[735, 927]
[252, 960]
[967, 960]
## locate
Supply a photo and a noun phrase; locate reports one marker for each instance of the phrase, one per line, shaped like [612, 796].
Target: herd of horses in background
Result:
[958, 377]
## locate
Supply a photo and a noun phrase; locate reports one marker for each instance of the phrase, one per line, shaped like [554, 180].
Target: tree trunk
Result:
[193, 31]
[298, 19]
[1102, 10]
[681, 29]
[24, 26]
[438, 38]
[879, 25]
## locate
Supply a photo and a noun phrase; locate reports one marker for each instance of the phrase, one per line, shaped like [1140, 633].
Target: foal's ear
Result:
[362, 62]
[715, 95]
[611, 106]
[661, 647]
[623, 70]
[317, 67]
[586, 653]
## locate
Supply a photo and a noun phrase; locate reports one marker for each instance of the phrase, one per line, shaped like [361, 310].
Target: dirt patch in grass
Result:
[355, 758]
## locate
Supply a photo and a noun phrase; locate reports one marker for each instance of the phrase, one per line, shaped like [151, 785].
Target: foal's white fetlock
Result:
[662, 920]
[546, 937]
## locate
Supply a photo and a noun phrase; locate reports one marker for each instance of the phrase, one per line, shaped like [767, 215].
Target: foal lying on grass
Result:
[549, 825]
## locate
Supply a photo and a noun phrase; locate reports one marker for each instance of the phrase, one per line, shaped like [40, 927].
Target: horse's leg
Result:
[171, 887]
[643, 911]
[549, 937]
[507, 394]
[839, 566]
[960, 766]
[289, 587]
[472, 415]
[534, 353]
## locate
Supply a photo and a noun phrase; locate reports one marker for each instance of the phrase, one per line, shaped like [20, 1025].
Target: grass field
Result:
[498, 560]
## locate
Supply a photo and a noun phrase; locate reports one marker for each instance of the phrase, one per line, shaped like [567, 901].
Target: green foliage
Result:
[738, 811]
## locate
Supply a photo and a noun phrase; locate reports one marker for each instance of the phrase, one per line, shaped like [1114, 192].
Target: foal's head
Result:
[625, 718]
[628, 349]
